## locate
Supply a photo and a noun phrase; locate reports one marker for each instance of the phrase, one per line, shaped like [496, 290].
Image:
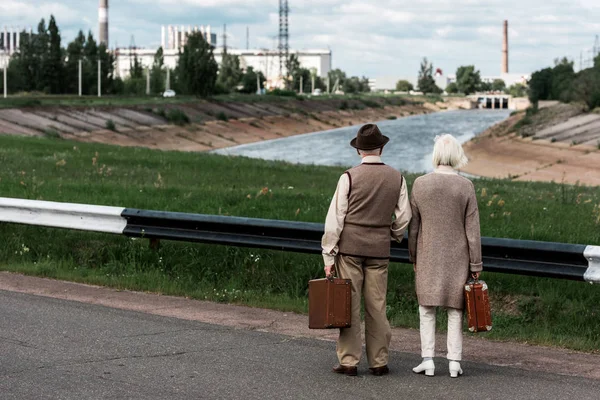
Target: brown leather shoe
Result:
[380, 371]
[341, 369]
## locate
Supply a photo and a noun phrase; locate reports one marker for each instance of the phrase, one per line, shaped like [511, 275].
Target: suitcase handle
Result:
[334, 273]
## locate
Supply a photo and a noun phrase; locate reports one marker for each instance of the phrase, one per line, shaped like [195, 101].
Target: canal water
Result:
[409, 149]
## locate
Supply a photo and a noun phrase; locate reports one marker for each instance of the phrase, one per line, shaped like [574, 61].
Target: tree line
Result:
[468, 81]
[43, 65]
[562, 83]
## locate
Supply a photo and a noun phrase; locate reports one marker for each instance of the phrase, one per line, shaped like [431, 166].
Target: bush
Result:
[110, 125]
[177, 117]
[221, 116]
[370, 103]
[392, 117]
[24, 103]
[283, 93]
[52, 134]
[344, 105]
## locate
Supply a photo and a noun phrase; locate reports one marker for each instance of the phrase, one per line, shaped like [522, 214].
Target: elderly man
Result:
[369, 207]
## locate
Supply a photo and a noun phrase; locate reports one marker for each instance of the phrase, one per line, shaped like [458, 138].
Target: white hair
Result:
[448, 151]
[374, 152]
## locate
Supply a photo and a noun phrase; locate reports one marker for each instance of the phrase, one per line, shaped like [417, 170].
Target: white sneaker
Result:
[426, 366]
[455, 369]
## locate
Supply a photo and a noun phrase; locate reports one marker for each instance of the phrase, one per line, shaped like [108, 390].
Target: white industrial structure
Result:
[173, 38]
[10, 40]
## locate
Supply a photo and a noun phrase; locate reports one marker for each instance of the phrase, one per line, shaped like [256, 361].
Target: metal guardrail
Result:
[543, 259]
[522, 257]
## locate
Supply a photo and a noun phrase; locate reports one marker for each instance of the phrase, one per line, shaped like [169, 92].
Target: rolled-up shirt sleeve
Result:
[334, 222]
[402, 214]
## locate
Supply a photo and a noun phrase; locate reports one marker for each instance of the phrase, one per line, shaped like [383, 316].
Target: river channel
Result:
[409, 149]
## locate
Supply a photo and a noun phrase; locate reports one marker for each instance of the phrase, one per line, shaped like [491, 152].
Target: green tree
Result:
[40, 58]
[249, 81]
[517, 90]
[563, 76]
[540, 85]
[336, 75]
[197, 69]
[467, 79]
[230, 73]
[452, 88]
[54, 67]
[74, 54]
[426, 82]
[90, 65]
[107, 69]
[597, 62]
[404, 86]
[157, 74]
[355, 84]
[498, 85]
[21, 68]
[293, 69]
[586, 87]
[136, 71]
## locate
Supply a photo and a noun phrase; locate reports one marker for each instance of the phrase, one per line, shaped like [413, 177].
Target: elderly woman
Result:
[445, 246]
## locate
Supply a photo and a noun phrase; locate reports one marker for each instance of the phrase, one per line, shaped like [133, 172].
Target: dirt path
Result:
[533, 358]
[496, 154]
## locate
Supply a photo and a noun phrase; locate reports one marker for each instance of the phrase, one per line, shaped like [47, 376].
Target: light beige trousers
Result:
[369, 276]
[454, 340]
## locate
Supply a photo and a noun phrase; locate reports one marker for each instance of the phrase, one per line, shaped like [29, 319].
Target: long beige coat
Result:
[444, 237]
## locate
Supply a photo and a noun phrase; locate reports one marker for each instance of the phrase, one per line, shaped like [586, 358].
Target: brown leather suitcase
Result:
[477, 305]
[329, 303]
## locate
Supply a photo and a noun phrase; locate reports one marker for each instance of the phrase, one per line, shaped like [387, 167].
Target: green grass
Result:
[532, 310]
[27, 100]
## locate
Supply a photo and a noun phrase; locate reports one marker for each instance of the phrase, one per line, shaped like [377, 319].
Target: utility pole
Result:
[224, 38]
[148, 81]
[313, 84]
[168, 79]
[301, 84]
[99, 78]
[5, 83]
[79, 78]
[258, 90]
[328, 83]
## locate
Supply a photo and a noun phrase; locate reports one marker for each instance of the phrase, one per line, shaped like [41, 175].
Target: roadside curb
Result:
[505, 354]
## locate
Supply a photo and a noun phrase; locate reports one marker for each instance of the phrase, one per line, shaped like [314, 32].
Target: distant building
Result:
[509, 79]
[266, 61]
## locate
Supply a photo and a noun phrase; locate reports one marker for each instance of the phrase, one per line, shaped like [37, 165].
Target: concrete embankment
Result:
[559, 143]
[211, 125]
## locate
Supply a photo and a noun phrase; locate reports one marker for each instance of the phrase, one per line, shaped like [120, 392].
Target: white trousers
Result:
[427, 317]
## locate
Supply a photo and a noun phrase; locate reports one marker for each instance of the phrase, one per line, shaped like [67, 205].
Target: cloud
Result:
[373, 38]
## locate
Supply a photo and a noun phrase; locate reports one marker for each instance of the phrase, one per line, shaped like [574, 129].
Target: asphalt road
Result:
[57, 349]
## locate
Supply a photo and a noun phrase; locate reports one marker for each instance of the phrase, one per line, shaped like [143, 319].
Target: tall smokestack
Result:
[505, 49]
[103, 22]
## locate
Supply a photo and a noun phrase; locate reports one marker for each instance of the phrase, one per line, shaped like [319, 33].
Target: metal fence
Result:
[522, 257]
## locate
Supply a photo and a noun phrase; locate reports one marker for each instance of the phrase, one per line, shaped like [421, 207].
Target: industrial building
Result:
[174, 37]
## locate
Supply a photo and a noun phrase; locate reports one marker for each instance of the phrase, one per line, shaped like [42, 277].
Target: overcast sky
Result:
[372, 38]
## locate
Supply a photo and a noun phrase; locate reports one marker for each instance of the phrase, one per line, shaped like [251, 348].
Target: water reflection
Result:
[409, 149]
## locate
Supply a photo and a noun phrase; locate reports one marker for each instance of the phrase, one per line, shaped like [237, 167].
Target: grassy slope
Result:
[527, 309]
[24, 101]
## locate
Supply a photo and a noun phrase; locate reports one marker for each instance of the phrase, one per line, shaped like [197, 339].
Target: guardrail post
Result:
[155, 244]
